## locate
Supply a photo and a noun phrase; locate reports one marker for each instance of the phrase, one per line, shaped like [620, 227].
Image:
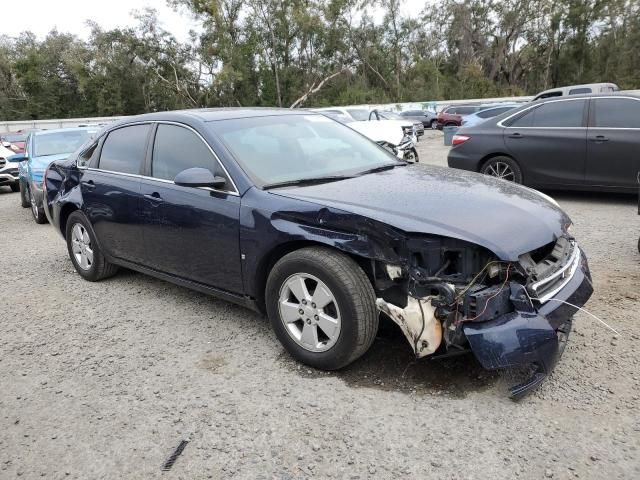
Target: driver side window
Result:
[176, 149]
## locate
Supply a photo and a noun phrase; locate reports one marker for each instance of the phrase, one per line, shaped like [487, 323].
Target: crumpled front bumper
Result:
[534, 334]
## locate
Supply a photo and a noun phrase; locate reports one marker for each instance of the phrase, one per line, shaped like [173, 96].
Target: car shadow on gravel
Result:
[391, 366]
[388, 365]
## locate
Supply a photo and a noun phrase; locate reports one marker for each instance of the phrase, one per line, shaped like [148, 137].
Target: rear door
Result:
[111, 192]
[549, 142]
[191, 233]
[613, 147]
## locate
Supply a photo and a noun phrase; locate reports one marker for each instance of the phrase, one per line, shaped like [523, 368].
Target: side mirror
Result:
[199, 177]
[18, 157]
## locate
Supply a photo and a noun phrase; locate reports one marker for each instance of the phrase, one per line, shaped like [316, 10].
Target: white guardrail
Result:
[433, 106]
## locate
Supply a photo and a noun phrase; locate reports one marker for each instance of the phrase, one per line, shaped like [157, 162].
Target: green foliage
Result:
[322, 52]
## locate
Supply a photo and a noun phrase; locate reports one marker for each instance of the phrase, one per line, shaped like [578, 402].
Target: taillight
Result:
[459, 139]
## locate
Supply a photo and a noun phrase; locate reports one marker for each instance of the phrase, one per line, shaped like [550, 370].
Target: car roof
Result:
[585, 95]
[213, 114]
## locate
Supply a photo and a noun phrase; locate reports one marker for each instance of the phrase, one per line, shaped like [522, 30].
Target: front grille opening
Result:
[543, 252]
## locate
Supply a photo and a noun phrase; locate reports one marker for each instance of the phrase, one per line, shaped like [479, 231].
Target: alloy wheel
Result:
[501, 170]
[81, 246]
[309, 311]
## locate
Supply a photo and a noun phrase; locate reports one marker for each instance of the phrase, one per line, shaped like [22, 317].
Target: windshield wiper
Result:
[306, 181]
[384, 167]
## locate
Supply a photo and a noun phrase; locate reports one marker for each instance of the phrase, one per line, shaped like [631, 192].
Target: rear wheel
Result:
[37, 210]
[503, 167]
[434, 124]
[322, 307]
[84, 251]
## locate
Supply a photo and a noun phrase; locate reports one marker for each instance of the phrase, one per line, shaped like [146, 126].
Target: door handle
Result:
[89, 184]
[516, 135]
[154, 197]
[599, 139]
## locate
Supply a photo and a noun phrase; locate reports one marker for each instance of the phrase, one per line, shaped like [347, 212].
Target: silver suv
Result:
[8, 170]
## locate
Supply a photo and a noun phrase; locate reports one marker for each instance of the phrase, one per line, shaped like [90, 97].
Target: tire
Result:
[434, 124]
[99, 268]
[15, 187]
[37, 211]
[353, 302]
[24, 196]
[503, 167]
[412, 156]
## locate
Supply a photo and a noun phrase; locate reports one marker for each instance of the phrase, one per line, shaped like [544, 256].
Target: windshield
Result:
[284, 148]
[340, 117]
[13, 138]
[391, 116]
[359, 114]
[60, 142]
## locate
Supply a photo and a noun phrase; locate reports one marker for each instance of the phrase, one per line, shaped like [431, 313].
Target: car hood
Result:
[505, 218]
[40, 163]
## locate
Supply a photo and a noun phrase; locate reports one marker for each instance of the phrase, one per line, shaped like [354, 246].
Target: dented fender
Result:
[290, 221]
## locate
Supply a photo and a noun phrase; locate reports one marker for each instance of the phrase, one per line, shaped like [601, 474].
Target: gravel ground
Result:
[103, 380]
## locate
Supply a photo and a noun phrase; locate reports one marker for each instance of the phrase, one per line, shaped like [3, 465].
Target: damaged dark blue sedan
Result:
[302, 218]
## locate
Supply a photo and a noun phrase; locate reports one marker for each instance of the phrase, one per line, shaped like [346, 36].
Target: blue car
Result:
[42, 148]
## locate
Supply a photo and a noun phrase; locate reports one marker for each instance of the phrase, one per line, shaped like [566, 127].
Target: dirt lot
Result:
[103, 380]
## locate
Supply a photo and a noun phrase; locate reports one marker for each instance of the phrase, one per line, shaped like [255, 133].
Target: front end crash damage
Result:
[449, 296]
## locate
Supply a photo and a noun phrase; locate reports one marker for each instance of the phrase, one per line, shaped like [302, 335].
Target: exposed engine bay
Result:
[447, 285]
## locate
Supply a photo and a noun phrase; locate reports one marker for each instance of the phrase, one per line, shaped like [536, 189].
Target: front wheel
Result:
[503, 167]
[24, 196]
[411, 155]
[15, 187]
[84, 251]
[322, 307]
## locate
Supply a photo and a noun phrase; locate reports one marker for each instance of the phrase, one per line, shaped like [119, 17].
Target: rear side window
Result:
[85, 157]
[553, 115]
[616, 113]
[123, 150]
[579, 91]
[177, 148]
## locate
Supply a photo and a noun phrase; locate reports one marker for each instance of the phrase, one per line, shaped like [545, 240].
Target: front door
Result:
[192, 233]
[613, 147]
[549, 143]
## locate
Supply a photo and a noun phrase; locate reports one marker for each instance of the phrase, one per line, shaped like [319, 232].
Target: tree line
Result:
[321, 52]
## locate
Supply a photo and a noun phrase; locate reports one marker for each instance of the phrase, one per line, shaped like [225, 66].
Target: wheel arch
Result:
[280, 250]
[66, 210]
[489, 156]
